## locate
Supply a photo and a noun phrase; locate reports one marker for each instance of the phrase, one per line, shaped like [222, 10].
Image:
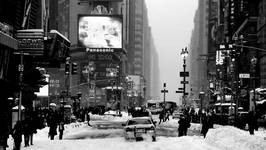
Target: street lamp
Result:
[184, 54]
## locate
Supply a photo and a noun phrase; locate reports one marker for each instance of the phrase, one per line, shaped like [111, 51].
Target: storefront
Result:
[7, 46]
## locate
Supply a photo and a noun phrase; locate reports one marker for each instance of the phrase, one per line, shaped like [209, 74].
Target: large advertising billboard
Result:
[100, 32]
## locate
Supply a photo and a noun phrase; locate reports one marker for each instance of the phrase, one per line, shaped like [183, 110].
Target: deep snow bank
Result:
[231, 138]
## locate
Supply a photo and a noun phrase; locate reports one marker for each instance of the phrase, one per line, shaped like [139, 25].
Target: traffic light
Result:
[74, 68]
[67, 69]
[67, 66]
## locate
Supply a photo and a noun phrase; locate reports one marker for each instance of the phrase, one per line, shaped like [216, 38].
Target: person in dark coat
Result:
[17, 135]
[161, 117]
[52, 131]
[33, 129]
[205, 124]
[26, 131]
[61, 129]
[53, 125]
[182, 125]
[187, 122]
[251, 122]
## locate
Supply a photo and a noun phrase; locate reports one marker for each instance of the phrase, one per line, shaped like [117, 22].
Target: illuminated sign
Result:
[31, 41]
[100, 32]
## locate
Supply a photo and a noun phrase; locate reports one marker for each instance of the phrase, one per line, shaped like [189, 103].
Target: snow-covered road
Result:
[79, 136]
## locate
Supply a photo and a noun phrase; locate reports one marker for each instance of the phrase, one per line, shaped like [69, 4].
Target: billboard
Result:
[98, 31]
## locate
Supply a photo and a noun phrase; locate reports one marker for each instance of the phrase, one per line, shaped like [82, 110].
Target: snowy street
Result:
[82, 137]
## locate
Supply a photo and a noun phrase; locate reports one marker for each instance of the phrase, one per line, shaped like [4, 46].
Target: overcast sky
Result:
[172, 23]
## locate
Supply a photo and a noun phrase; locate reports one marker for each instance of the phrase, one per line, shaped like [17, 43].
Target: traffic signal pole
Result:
[184, 81]
[164, 91]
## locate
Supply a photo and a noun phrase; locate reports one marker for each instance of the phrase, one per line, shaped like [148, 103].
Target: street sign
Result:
[186, 93]
[164, 91]
[184, 74]
[184, 82]
[180, 89]
[244, 75]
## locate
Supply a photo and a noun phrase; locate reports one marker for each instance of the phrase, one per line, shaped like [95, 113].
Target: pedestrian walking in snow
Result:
[26, 131]
[161, 117]
[52, 130]
[205, 124]
[33, 129]
[187, 122]
[251, 122]
[61, 130]
[53, 125]
[17, 135]
[182, 125]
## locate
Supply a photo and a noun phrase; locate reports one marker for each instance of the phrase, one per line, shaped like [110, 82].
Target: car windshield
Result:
[138, 121]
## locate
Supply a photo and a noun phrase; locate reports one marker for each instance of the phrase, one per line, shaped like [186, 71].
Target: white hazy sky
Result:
[172, 23]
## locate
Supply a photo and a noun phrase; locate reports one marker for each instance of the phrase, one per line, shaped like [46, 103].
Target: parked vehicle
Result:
[138, 128]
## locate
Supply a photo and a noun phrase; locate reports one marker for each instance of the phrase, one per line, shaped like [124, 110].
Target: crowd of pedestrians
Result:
[27, 128]
[34, 120]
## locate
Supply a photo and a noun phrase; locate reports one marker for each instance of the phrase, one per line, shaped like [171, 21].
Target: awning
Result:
[8, 41]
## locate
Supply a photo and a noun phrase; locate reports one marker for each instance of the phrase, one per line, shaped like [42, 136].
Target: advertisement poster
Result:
[100, 31]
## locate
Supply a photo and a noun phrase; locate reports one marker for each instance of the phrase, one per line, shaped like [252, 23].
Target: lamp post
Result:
[184, 54]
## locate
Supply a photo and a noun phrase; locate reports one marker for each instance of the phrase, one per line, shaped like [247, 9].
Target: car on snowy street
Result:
[139, 128]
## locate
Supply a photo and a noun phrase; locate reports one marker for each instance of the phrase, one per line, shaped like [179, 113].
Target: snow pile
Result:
[231, 138]
[111, 115]
[83, 137]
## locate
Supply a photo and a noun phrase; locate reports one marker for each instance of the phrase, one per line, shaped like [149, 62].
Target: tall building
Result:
[136, 37]
[262, 41]
[155, 75]
[141, 48]
[198, 51]
[108, 63]
[111, 68]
